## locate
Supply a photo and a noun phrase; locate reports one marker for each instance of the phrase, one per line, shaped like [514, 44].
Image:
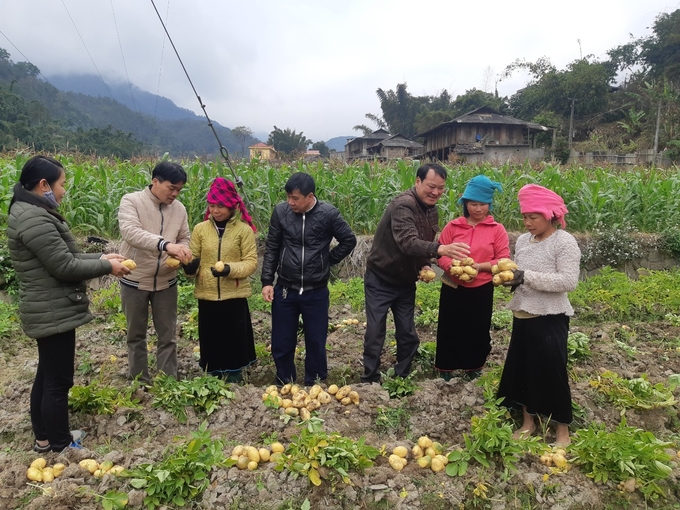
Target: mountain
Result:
[338, 142]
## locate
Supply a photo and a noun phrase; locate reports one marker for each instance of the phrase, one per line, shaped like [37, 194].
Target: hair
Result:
[466, 213]
[38, 168]
[423, 170]
[167, 171]
[302, 182]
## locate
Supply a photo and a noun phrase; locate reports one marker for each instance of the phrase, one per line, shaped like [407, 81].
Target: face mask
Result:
[49, 196]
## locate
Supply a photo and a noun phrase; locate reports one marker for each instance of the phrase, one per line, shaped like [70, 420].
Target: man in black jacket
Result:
[298, 252]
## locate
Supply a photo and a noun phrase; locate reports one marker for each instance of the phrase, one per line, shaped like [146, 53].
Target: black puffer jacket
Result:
[298, 246]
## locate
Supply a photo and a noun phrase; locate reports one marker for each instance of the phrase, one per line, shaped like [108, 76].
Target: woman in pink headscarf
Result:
[225, 332]
[535, 376]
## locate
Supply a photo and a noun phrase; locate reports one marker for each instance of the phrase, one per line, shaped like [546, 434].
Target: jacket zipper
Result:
[160, 254]
[219, 256]
[302, 262]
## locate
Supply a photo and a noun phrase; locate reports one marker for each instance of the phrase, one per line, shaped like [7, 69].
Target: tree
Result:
[363, 128]
[287, 141]
[243, 135]
[322, 148]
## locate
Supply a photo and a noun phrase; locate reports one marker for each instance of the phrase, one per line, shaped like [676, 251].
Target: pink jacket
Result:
[488, 242]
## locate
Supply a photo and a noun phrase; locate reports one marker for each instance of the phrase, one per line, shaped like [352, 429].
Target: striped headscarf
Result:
[223, 192]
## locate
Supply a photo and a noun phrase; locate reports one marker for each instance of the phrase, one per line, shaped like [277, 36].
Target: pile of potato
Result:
[39, 471]
[295, 401]
[249, 457]
[427, 454]
[558, 459]
[99, 470]
[502, 271]
[427, 275]
[463, 269]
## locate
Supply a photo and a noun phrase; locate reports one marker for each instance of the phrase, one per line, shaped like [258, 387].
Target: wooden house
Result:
[262, 151]
[484, 134]
[357, 148]
[395, 147]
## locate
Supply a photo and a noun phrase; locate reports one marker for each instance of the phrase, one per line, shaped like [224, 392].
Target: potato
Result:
[116, 470]
[34, 474]
[275, 457]
[219, 266]
[252, 453]
[506, 276]
[106, 466]
[47, 475]
[470, 270]
[286, 403]
[431, 452]
[467, 261]
[424, 461]
[497, 280]
[559, 460]
[402, 451]
[277, 447]
[292, 411]
[443, 458]
[506, 265]
[346, 401]
[58, 469]
[324, 398]
[545, 460]
[90, 464]
[242, 462]
[305, 414]
[561, 451]
[424, 442]
[403, 461]
[130, 264]
[333, 389]
[456, 270]
[271, 388]
[437, 465]
[264, 454]
[437, 447]
[172, 262]
[417, 452]
[252, 465]
[313, 405]
[98, 473]
[465, 277]
[495, 269]
[315, 390]
[395, 462]
[39, 463]
[286, 389]
[455, 263]
[354, 397]
[294, 389]
[427, 275]
[629, 485]
[343, 392]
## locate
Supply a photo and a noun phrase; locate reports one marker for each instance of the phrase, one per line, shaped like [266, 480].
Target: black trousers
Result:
[380, 297]
[49, 395]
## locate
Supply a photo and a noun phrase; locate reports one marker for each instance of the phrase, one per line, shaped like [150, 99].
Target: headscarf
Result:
[537, 199]
[223, 192]
[480, 189]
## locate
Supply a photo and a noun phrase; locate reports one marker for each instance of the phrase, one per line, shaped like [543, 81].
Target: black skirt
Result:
[535, 371]
[463, 338]
[225, 336]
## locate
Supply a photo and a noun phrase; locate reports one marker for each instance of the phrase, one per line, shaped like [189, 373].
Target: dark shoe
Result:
[233, 377]
[447, 375]
[41, 449]
[471, 375]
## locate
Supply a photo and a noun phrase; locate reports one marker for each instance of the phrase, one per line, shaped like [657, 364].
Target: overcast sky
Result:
[312, 66]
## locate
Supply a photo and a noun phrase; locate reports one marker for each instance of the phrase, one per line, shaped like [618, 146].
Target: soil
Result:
[439, 409]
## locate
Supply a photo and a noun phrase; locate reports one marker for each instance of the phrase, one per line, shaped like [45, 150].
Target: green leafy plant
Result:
[351, 292]
[669, 241]
[190, 325]
[313, 450]
[624, 453]
[636, 393]
[184, 472]
[9, 320]
[502, 319]
[392, 419]
[427, 303]
[578, 347]
[425, 355]
[612, 245]
[490, 437]
[205, 394]
[398, 387]
[101, 396]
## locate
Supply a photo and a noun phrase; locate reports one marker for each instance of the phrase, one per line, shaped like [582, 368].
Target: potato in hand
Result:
[427, 275]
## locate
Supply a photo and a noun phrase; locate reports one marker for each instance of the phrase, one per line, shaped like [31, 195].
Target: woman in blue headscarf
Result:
[465, 307]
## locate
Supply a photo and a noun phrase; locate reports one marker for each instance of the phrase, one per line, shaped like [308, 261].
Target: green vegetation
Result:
[637, 393]
[101, 396]
[205, 394]
[313, 450]
[397, 386]
[578, 347]
[183, 474]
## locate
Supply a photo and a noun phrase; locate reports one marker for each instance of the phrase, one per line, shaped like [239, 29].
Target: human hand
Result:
[517, 280]
[113, 256]
[191, 268]
[456, 251]
[118, 269]
[268, 293]
[224, 272]
[179, 251]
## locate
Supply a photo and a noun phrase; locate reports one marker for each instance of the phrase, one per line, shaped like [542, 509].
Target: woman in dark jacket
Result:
[52, 293]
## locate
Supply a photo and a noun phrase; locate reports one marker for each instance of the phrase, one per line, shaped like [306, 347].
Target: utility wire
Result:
[223, 150]
[160, 69]
[120, 45]
[88, 51]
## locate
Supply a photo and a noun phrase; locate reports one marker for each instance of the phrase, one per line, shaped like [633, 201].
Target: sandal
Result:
[41, 449]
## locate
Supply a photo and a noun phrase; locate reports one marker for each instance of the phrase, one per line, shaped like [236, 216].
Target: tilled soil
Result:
[439, 409]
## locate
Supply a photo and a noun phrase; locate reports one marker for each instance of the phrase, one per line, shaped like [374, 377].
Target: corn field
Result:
[645, 199]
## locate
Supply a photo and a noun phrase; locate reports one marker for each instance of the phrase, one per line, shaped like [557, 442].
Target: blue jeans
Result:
[287, 307]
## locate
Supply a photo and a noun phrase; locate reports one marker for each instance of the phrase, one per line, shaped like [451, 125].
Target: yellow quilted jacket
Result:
[237, 249]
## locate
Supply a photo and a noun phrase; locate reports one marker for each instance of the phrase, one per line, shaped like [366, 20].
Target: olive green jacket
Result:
[236, 249]
[52, 273]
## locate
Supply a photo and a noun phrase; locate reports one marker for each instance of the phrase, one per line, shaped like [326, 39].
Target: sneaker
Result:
[78, 436]
[41, 449]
